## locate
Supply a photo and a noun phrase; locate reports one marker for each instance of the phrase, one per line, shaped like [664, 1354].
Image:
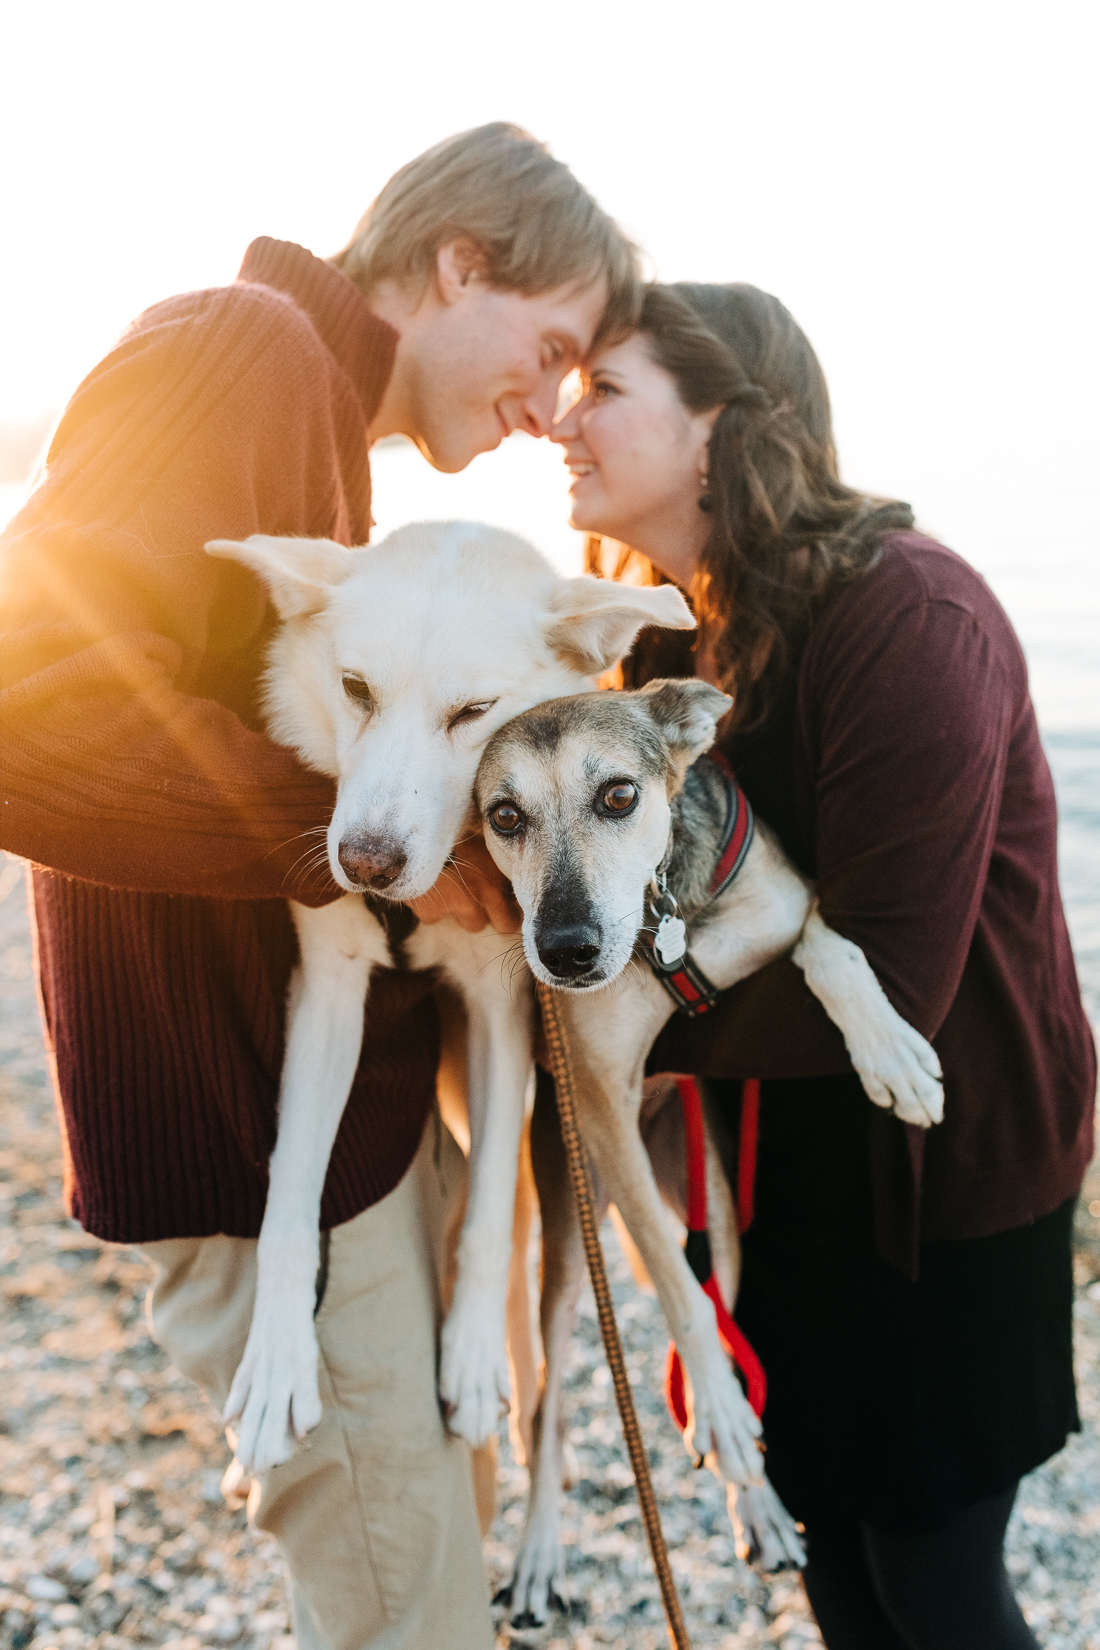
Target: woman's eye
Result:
[357, 689]
[620, 796]
[505, 818]
[600, 391]
[470, 713]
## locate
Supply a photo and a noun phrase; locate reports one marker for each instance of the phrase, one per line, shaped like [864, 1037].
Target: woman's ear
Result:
[594, 622]
[703, 425]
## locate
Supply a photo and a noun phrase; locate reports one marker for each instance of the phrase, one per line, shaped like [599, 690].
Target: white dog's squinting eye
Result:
[506, 819]
[357, 689]
[619, 797]
[469, 713]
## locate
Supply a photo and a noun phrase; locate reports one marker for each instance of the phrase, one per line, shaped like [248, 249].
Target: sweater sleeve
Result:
[908, 717]
[123, 646]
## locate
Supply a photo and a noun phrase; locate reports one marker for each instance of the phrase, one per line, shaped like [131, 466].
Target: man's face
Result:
[483, 362]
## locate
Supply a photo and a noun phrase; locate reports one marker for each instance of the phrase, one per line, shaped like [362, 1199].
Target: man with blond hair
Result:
[135, 768]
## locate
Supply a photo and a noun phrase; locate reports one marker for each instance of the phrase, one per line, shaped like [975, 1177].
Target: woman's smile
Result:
[580, 469]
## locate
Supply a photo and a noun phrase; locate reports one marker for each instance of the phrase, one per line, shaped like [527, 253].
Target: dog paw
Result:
[901, 1071]
[473, 1370]
[765, 1533]
[722, 1427]
[537, 1589]
[275, 1400]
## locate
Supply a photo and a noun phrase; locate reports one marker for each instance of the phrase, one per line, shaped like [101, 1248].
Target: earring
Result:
[706, 503]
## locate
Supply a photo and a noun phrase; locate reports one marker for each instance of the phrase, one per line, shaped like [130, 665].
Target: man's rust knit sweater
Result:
[133, 762]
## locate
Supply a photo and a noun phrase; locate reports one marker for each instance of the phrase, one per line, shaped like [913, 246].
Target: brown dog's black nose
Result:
[372, 861]
[569, 953]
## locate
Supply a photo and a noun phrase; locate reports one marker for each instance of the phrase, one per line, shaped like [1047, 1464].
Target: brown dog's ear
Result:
[594, 621]
[687, 712]
[299, 573]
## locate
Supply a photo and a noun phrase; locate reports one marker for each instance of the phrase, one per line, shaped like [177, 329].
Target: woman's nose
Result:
[568, 426]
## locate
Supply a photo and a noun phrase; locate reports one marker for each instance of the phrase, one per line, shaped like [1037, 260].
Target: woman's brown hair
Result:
[786, 530]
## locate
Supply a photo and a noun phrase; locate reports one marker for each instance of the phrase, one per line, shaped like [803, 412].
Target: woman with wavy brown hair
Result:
[910, 1294]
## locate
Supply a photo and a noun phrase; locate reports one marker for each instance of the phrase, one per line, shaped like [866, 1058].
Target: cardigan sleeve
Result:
[120, 761]
[907, 718]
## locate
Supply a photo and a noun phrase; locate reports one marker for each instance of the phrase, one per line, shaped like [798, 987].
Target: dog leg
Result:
[522, 1361]
[896, 1065]
[454, 1108]
[538, 1585]
[770, 908]
[274, 1392]
[473, 1375]
[662, 1125]
[725, 1237]
[765, 1534]
[608, 1069]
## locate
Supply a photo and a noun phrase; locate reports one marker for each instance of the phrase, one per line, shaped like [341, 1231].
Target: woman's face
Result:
[637, 457]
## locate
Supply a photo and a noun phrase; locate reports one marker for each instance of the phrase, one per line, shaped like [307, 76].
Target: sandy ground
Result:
[114, 1530]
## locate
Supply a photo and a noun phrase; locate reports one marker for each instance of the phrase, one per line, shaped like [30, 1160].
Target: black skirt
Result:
[893, 1402]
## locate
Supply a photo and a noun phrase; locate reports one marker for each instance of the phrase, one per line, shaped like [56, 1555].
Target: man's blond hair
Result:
[534, 224]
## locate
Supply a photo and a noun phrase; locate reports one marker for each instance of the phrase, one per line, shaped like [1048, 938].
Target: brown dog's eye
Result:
[505, 818]
[620, 796]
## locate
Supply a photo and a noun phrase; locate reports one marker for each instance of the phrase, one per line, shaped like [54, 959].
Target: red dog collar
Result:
[682, 978]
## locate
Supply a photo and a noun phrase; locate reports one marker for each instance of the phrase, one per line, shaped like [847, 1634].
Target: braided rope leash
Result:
[562, 1071]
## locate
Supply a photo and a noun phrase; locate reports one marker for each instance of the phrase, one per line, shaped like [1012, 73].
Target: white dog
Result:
[391, 669]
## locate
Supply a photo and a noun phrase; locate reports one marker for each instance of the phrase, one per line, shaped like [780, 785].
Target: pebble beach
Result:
[120, 1522]
[120, 1525]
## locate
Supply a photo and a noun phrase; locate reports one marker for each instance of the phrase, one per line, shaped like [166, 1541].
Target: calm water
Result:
[1040, 553]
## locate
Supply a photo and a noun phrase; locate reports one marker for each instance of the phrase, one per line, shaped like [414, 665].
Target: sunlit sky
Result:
[917, 182]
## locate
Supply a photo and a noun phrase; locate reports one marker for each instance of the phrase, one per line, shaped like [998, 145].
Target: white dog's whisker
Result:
[314, 830]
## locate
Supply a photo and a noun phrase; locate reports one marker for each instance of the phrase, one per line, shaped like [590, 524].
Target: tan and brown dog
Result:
[608, 825]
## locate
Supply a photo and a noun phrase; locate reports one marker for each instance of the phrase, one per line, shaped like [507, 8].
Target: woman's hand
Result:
[472, 891]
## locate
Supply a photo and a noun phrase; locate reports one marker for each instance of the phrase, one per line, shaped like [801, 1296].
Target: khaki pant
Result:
[376, 1517]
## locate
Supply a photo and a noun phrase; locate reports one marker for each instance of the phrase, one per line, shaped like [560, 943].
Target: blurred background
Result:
[919, 185]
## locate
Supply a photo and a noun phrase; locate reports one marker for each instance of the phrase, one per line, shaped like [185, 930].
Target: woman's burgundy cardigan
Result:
[134, 764]
[907, 776]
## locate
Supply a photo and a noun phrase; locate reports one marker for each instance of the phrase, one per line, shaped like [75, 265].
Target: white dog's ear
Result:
[299, 573]
[687, 712]
[595, 621]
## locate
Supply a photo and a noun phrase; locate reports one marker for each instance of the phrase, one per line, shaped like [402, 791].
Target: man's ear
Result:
[687, 712]
[594, 621]
[299, 573]
[456, 263]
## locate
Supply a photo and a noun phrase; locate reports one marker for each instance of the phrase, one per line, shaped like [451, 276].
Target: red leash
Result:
[697, 1246]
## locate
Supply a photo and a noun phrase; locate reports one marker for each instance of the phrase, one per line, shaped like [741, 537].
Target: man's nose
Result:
[539, 408]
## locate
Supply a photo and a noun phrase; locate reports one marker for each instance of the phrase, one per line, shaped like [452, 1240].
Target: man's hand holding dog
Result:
[472, 891]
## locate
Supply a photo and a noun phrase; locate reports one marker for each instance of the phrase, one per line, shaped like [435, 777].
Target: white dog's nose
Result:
[371, 861]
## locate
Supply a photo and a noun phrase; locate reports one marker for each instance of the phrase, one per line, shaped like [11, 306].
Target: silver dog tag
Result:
[670, 940]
